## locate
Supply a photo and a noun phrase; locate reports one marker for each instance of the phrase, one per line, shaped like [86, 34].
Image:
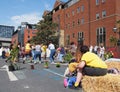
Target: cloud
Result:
[32, 18]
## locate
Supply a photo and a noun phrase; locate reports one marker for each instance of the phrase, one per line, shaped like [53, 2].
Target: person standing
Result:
[0, 52]
[102, 52]
[37, 53]
[28, 52]
[61, 54]
[51, 47]
[73, 48]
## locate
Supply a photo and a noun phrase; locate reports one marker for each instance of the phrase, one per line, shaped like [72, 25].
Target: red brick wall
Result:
[89, 27]
[15, 39]
[30, 33]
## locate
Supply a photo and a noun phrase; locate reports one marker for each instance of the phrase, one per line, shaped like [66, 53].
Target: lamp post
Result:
[117, 30]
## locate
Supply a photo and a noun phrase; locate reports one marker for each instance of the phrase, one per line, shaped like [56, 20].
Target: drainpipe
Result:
[89, 23]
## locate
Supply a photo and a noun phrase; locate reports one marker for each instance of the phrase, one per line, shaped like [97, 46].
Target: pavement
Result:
[38, 79]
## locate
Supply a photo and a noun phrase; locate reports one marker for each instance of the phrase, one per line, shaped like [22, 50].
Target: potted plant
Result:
[68, 57]
[13, 58]
[46, 64]
[58, 65]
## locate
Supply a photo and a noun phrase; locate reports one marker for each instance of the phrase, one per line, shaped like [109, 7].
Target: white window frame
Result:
[97, 16]
[103, 13]
[97, 2]
[103, 1]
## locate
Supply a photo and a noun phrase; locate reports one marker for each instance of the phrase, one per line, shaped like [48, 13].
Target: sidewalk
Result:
[113, 59]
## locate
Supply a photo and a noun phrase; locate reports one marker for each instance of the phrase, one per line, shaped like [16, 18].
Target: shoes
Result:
[52, 62]
[76, 84]
[35, 62]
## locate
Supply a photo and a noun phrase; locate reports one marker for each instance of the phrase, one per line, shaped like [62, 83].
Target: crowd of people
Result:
[4, 52]
[87, 60]
[39, 52]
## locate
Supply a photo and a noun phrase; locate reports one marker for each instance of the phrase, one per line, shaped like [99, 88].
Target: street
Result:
[39, 79]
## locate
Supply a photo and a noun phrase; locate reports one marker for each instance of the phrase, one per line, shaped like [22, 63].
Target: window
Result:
[78, 10]
[101, 35]
[80, 35]
[73, 24]
[67, 15]
[73, 13]
[103, 13]
[103, 1]
[82, 8]
[97, 16]
[73, 35]
[67, 39]
[97, 2]
[82, 21]
[78, 21]
[68, 25]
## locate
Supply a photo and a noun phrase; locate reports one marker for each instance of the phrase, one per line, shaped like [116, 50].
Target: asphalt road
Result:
[33, 80]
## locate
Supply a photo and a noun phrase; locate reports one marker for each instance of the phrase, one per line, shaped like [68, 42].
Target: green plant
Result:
[58, 65]
[13, 57]
[46, 64]
[113, 40]
[68, 57]
[108, 54]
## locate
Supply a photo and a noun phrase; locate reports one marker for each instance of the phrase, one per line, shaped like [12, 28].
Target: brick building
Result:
[90, 20]
[24, 33]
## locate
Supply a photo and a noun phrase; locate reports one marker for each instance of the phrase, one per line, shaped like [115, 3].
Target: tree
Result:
[113, 40]
[46, 31]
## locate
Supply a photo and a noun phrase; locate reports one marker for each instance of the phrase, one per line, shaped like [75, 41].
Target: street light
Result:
[117, 30]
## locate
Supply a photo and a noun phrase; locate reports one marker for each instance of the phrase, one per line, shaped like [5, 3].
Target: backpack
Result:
[69, 82]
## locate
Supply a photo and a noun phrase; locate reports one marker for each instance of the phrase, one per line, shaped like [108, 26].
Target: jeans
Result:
[37, 55]
[60, 57]
[52, 53]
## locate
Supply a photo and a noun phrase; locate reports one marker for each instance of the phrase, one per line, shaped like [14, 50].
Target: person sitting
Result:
[90, 65]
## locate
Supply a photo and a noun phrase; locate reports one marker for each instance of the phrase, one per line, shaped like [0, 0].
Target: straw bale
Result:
[107, 83]
[113, 64]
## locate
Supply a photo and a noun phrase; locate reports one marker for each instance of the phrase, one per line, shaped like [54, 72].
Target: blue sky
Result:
[13, 12]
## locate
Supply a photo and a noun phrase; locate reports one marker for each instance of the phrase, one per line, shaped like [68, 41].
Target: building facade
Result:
[6, 34]
[24, 33]
[90, 20]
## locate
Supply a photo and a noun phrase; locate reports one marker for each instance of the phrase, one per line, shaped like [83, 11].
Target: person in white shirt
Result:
[51, 47]
[102, 51]
[37, 53]
[0, 52]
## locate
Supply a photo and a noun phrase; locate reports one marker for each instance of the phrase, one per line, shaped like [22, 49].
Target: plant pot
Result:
[45, 66]
[11, 68]
[32, 66]
[58, 65]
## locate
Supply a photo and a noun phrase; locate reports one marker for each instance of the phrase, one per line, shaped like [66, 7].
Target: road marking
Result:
[11, 76]
[54, 72]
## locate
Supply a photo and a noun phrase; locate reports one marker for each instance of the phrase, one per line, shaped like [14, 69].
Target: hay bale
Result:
[107, 83]
[113, 64]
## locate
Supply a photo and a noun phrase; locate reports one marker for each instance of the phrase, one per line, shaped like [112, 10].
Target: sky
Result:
[13, 12]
